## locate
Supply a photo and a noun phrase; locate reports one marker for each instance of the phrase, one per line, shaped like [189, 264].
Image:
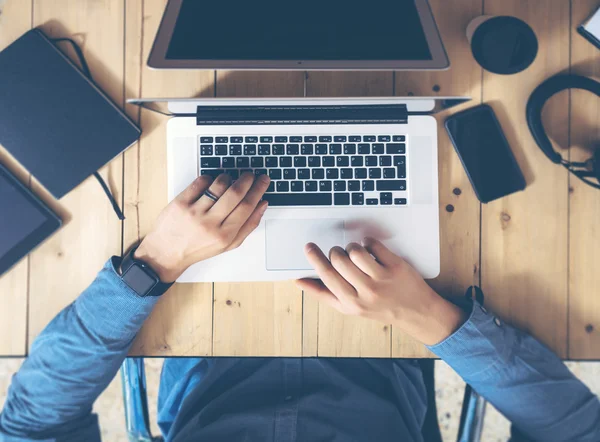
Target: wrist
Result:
[165, 266]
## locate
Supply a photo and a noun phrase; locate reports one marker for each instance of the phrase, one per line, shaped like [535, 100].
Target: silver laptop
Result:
[311, 34]
[341, 169]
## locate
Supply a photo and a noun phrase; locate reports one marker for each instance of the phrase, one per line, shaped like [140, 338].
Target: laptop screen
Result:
[298, 30]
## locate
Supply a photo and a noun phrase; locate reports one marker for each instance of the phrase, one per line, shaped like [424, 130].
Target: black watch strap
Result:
[140, 277]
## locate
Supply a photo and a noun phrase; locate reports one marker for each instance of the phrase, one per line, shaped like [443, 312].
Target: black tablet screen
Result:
[19, 216]
[306, 30]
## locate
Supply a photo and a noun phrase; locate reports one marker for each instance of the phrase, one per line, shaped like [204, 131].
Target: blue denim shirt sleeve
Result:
[72, 361]
[522, 378]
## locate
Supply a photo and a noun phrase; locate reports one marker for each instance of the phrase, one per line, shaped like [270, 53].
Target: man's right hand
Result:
[193, 227]
[373, 282]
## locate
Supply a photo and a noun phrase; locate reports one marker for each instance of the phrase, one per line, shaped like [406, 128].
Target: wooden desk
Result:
[535, 254]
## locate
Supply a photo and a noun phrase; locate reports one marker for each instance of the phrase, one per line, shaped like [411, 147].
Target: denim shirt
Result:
[77, 355]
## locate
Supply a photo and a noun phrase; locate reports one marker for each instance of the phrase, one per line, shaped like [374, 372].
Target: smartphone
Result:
[485, 153]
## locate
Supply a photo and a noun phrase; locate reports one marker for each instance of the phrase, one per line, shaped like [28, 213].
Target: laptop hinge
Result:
[362, 114]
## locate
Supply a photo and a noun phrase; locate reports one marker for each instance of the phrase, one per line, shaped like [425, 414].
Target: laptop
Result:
[341, 169]
[306, 35]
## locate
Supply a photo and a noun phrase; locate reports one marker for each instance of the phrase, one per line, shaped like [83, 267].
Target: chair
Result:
[133, 379]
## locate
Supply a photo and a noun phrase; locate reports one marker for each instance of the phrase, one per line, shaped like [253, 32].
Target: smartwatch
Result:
[140, 277]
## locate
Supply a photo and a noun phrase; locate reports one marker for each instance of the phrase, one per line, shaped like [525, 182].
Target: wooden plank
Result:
[15, 19]
[258, 319]
[65, 265]
[181, 323]
[524, 236]
[584, 236]
[459, 207]
[339, 335]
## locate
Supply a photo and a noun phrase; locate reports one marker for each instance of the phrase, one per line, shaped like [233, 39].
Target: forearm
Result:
[73, 360]
[528, 383]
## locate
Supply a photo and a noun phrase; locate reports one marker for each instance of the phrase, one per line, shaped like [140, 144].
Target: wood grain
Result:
[524, 236]
[67, 263]
[340, 335]
[15, 19]
[181, 324]
[258, 319]
[459, 207]
[584, 235]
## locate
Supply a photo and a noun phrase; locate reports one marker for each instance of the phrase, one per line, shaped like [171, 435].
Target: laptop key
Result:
[354, 138]
[271, 187]
[257, 162]
[356, 161]
[341, 199]
[307, 149]
[242, 162]
[298, 199]
[266, 139]
[328, 161]
[364, 149]
[311, 186]
[391, 185]
[264, 149]
[318, 174]
[251, 139]
[342, 161]
[325, 186]
[389, 172]
[299, 161]
[310, 139]
[295, 139]
[293, 149]
[358, 199]
[206, 139]
[221, 149]
[222, 139]
[206, 149]
[314, 161]
[399, 138]
[321, 149]
[335, 149]
[236, 140]
[303, 174]
[211, 172]
[275, 174]
[259, 172]
[368, 186]
[297, 186]
[385, 198]
[384, 138]
[372, 201]
[278, 149]
[378, 148]
[325, 139]
[339, 186]
[346, 173]
[233, 173]
[360, 173]
[332, 174]
[374, 173]
[385, 160]
[228, 162]
[392, 148]
[400, 201]
[349, 149]
[401, 171]
[340, 138]
[370, 161]
[283, 186]
[289, 174]
[399, 160]
[285, 161]
[369, 138]
[272, 162]
[281, 139]
[354, 186]
[210, 162]
[235, 149]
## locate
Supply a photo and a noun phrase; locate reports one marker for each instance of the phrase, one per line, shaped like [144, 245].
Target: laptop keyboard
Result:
[325, 170]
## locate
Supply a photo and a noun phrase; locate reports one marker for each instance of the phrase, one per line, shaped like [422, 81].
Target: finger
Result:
[218, 187]
[383, 255]
[363, 259]
[341, 288]
[345, 267]
[248, 205]
[250, 225]
[232, 197]
[319, 291]
[194, 191]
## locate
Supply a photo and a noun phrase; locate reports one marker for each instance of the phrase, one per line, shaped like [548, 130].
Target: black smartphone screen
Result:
[485, 153]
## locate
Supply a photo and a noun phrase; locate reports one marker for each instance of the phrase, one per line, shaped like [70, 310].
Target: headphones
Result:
[584, 171]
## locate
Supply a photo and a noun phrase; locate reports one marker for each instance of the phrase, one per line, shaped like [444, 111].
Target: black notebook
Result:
[56, 122]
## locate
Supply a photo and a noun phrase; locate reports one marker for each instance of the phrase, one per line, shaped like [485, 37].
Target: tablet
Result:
[25, 221]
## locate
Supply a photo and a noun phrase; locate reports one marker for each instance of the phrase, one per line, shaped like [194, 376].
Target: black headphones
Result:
[584, 171]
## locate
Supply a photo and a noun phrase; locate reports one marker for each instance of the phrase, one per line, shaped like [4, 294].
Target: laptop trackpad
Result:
[286, 238]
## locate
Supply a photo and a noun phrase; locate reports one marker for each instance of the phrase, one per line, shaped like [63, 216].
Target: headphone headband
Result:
[538, 99]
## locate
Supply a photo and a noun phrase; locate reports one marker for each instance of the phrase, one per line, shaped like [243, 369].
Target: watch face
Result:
[138, 280]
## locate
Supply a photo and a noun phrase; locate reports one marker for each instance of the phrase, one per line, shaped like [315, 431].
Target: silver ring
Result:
[211, 195]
